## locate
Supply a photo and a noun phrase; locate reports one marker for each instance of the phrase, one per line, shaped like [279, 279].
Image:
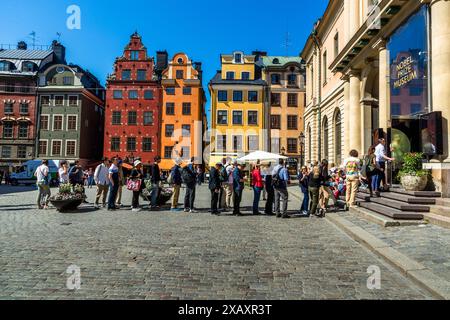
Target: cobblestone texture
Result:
[427, 244]
[164, 255]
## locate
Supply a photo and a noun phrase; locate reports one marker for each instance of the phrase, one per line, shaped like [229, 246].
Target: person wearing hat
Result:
[121, 184]
[155, 178]
[101, 178]
[136, 174]
[175, 174]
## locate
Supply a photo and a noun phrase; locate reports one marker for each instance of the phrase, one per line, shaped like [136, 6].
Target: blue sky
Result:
[202, 28]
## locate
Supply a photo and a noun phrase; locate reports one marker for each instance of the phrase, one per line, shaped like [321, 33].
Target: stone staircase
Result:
[398, 204]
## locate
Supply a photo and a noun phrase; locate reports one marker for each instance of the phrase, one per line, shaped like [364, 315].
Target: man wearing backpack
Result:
[175, 180]
[190, 179]
[226, 191]
[280, 180]
[155, 178]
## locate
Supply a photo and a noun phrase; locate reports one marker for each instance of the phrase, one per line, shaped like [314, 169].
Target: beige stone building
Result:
[380, 68]
[285, 78]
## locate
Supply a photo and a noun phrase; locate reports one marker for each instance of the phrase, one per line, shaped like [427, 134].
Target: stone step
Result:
[383, 220]
[439, 220]
[443, 202]
[390, 212]
[440, 210]
[425, 194]
[404, 197]
[399, 205]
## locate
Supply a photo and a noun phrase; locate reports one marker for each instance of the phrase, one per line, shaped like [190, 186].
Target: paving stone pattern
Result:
[165, 255]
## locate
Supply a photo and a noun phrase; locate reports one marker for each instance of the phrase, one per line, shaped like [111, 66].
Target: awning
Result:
[262, 156]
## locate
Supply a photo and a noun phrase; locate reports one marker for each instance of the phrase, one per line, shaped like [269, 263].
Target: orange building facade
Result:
[183, 112]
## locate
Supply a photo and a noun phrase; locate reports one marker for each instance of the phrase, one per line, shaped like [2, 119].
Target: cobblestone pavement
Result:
[427, 244]
[164, 255]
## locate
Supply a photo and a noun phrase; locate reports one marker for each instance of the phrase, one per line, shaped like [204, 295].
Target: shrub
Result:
[412, 165]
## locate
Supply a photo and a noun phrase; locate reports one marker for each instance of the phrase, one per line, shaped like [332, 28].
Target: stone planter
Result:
[414, 183]
[66, 205]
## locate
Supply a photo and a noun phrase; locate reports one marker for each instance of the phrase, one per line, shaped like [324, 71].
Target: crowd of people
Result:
[320, 183]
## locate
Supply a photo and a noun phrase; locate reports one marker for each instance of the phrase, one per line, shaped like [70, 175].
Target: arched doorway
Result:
[309, 144]
[337, 137]
[326, 138]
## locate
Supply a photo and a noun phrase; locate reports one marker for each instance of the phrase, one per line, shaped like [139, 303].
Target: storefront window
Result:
[409, 58]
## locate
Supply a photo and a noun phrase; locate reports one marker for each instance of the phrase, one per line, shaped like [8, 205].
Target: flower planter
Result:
[163, 197]
[66, 205]
[414, 183]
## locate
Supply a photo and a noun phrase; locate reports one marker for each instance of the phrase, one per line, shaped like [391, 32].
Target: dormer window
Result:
[230, 75]
[28, 66]
[5, 66]
[276, 61]
[134, 55]
[180, 60]
[238, 57]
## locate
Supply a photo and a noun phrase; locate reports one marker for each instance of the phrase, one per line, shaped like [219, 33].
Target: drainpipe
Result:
[319, 97]
[37, 121]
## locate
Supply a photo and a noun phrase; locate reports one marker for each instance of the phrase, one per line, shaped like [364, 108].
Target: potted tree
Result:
[412, 176]
[68, 198]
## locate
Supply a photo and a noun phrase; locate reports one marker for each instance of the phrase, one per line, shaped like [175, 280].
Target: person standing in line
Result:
[113, 177]
[280, 177]
[381, 158]
[264, 173]
[121, 183]
[223, 179]
[352, 167]
[101, 177]
[303, 178]
[90, 178]
[268, 185]
[190, 179]
[314, 184]
[325, 192]
[43, 183]
[63, 172]
[258, 186]
[214, 187]
[175, 173]
[155, 178]
[238, 188]
[135, 175]
[227, 184]
[369, 169]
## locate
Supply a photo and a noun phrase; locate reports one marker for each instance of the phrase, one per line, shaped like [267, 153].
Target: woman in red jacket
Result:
[258, 185]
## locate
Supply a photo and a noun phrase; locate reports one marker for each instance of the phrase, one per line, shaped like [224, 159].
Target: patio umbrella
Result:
[262, 156]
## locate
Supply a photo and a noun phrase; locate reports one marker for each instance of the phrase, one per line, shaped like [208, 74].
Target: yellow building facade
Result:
[238, 107]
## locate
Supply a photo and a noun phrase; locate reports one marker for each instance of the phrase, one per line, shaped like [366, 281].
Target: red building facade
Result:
[133, 104]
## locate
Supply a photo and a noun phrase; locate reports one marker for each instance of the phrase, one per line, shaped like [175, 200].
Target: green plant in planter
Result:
[78, 189]
[412, 165]
[65, 188]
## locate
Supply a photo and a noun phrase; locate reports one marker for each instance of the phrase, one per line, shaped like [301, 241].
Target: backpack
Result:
[366, 166]
[277, 182]
[224, 175]
[187, 176]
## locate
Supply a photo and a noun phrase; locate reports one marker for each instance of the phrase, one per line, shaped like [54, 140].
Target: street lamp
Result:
[301, 139]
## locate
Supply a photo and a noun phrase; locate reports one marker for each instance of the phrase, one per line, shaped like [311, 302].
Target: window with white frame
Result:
[71, 146]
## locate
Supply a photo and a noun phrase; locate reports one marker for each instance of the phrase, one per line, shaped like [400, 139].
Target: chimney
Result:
[60, 52]
[22, 45]
[259, 54]
[162, 60]
[198, 67]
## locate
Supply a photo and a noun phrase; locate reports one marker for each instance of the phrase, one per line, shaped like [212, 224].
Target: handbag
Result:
[134, 185]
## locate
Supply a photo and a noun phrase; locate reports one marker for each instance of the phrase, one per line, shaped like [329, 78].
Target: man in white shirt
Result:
[101, 178]
[43, 183]
[381, 158]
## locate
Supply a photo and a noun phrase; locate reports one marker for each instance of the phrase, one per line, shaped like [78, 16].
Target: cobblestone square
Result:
[166, 255]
